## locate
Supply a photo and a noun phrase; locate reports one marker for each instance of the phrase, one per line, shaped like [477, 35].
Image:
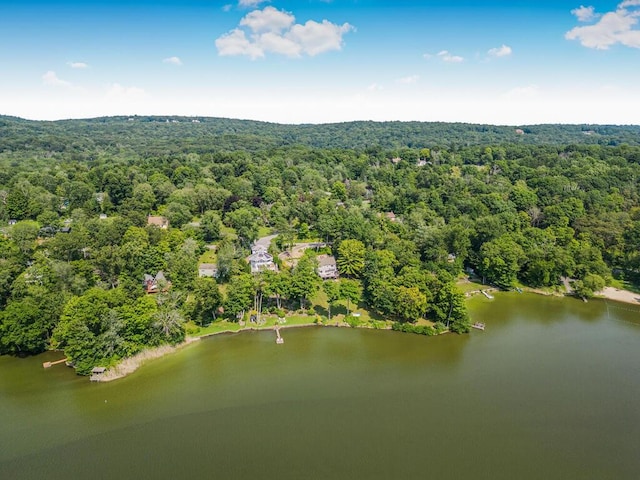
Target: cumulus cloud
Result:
[584, 14]
[50, 78]
[274, 31]
[616, 27]
[449, 58]
[268, 20]
[78, 65]
[173, 61]
[503, 51]
[409, 80]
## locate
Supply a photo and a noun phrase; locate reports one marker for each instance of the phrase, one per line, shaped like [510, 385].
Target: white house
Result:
[260, 259]
[208, 270]
[327, 267]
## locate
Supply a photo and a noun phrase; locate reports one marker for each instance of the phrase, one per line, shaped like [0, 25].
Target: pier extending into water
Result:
[51, 364]
[279, 339]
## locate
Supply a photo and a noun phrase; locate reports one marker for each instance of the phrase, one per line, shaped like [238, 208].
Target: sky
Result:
[511, 62]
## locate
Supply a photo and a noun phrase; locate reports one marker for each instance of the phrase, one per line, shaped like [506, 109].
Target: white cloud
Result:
[78, 65]
[275, 31]
[236, 43]
[447, 57]
[50, 78]
[374, 87]
[268, 20]
[617, 27]
[173, 61]
[427, 56]
[503, 51]
[316, 38]
[584, 14]
[409, 80]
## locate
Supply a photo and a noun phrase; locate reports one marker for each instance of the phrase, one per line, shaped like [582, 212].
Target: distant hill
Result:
[166, 134]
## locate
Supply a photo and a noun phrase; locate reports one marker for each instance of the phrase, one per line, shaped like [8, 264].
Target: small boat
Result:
[478, 326]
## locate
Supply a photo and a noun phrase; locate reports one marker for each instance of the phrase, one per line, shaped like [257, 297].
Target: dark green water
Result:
[551, 390]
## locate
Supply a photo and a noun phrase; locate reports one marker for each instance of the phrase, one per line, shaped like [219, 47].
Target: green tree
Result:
[210, 224]
[410, 303]
[589, 285]
[177, 214]
[245, 221]
[351, 257]
[239, 295]
[351, 291]
[170, 323]
[304, 281]
[500, 260]
[24, 234]
[22, 329]
[206, 300]
[332, 290]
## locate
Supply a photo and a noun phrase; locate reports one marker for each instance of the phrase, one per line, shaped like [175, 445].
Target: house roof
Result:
[326, 260]
[260, 256]
[157, 220]
[207, 266]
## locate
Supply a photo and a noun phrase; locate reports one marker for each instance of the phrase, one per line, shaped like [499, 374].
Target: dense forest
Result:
[405, 208]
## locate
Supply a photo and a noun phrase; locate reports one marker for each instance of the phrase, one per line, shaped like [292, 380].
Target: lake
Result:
[550, 390]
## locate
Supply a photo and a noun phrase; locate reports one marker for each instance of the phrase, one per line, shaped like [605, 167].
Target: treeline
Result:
[403, 222]
[154, 135]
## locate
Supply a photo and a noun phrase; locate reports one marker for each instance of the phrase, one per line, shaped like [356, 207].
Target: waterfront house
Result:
[327, 267]
[208, 270]
[155, 284]
[260, 259]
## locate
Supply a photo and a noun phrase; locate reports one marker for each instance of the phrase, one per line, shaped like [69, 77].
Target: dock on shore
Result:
[51, 364]
[279, 339]
[489, 296]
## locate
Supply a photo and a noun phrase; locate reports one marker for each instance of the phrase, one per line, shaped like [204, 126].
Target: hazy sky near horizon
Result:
[316, 61]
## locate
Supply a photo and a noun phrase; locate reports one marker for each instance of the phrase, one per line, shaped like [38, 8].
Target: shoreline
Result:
[131, 364]
[618, 295]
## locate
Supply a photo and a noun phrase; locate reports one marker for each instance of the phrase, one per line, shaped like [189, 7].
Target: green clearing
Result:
[209, 256]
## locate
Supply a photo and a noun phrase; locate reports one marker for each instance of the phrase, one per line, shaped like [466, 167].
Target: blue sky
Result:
[315, 61]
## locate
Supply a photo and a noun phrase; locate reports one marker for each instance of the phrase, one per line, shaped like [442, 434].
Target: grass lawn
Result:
[228, 232]
[264, 232]
[209, 256]
[468, 286]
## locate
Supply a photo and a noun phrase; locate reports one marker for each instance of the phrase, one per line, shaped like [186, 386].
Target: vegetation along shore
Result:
[122, 237]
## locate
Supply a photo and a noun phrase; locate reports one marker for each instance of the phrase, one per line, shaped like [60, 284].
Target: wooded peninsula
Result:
[123, 233]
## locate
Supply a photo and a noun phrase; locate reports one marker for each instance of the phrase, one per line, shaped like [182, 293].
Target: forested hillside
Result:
[161, 135]
[404, 207]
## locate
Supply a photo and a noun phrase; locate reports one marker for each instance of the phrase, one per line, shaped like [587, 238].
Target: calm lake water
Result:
[551, 390]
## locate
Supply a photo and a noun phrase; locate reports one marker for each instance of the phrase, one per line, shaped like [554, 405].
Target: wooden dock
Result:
[51, 364]
[279, 339]
[478, 326]
[489, 296]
